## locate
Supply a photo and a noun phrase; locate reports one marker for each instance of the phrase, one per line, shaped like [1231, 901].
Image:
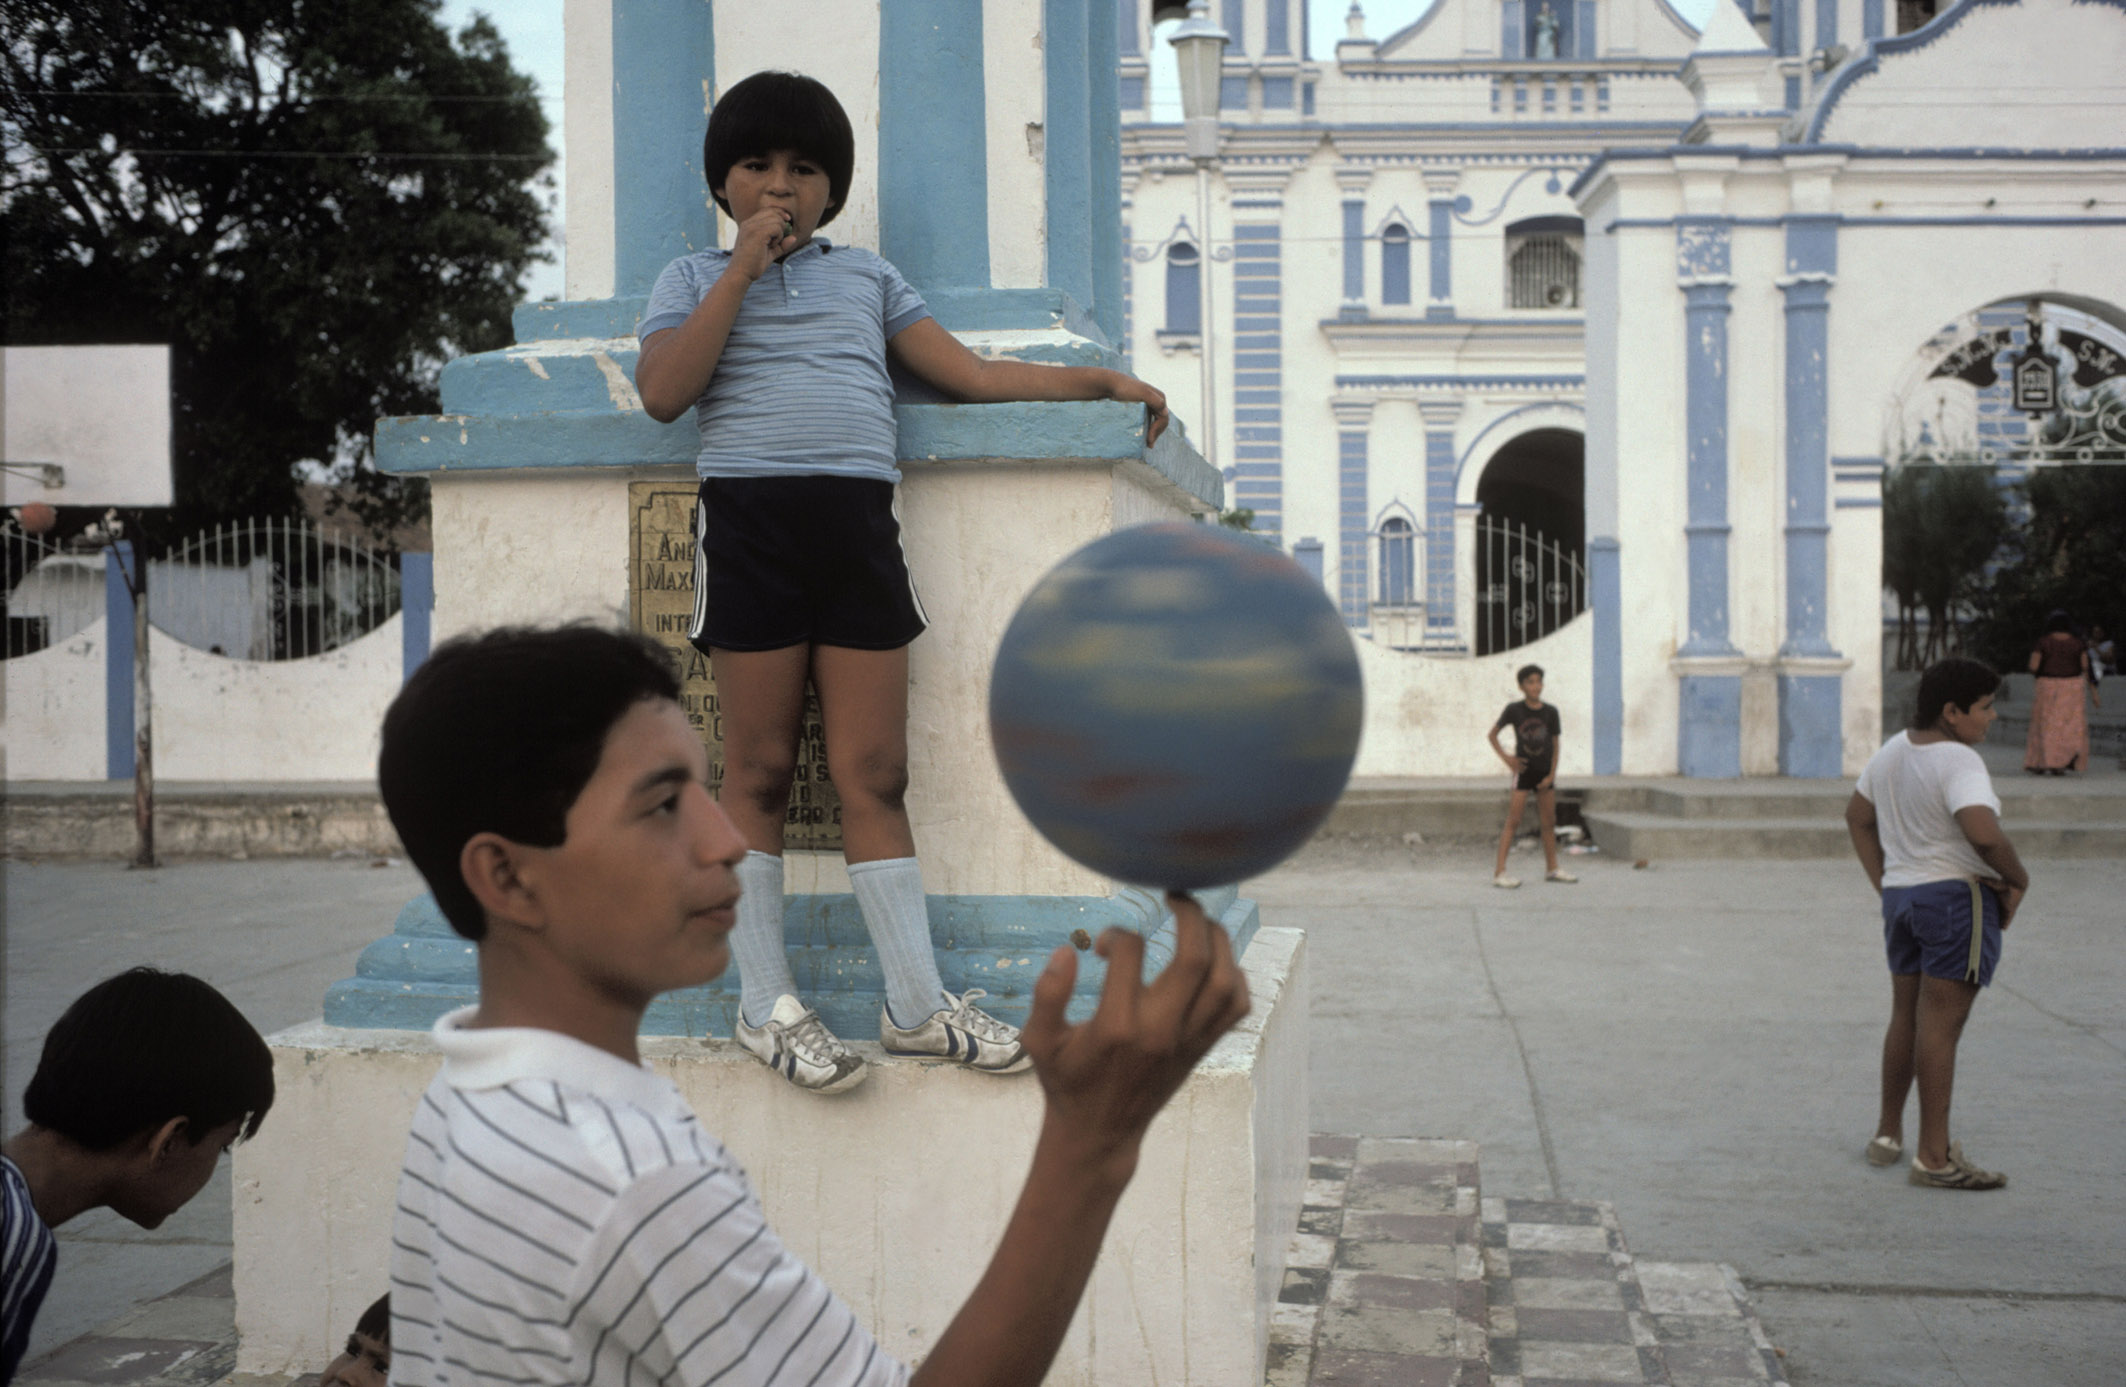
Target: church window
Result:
[1398, 563]
[1913, 14]
[1543, 263]
[1184, 288]
[1395, 265]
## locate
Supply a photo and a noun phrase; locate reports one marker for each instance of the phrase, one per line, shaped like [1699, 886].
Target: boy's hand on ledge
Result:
[1124, 387]
[1107, 1078]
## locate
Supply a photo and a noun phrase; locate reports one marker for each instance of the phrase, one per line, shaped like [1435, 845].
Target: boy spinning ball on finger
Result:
[562, 1217]
[780, 346]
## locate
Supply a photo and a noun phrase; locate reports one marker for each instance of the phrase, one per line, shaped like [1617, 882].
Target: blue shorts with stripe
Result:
[1928, 929]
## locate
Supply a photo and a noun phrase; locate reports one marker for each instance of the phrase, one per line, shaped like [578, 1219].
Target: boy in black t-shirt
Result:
[1534, 764]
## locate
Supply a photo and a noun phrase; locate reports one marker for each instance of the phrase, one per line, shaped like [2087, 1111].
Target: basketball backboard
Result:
[100, 416]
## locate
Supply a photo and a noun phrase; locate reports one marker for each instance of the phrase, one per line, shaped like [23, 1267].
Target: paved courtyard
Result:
[1694, 1044]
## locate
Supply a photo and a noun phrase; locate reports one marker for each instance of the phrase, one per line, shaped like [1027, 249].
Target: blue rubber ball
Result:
[1176, 706]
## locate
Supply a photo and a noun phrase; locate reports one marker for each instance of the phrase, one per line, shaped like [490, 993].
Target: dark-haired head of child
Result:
[365, 1359]
[144, 1082]
[780, 140]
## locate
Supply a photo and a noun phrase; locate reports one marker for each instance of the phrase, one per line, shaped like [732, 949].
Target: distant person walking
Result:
[1926, 826]
[1534, 764]
[2059, 726]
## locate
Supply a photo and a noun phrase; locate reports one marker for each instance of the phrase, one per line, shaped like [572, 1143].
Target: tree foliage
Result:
[1941, 526]
[314, 202]
[2070, 555]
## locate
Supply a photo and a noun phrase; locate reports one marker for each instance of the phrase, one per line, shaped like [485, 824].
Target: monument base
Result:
[854, 1184]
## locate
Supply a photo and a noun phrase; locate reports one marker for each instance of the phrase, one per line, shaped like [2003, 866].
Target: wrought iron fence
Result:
[49, 596]
[274, 589]
[1527, 586]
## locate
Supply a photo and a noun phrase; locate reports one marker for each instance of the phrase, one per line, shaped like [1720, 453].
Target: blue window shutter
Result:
[1395, 265]
[1184, 289]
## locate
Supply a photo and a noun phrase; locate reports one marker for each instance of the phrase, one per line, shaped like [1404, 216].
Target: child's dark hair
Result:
[1954, 681]
[1520, 676]
[138, 1049]
[498, 733]
[375, 1322]
[780, 110]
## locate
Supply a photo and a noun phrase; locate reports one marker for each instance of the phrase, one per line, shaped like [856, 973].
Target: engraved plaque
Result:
[661, 598]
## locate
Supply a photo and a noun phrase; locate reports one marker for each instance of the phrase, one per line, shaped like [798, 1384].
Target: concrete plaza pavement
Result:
[1696, 1043]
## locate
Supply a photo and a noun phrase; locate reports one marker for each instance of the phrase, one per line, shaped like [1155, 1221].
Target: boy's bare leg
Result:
[1516, 805]
[1546, 813]
[1897, 1047]
[761, 694]
[1944, 1006]
[863, 699]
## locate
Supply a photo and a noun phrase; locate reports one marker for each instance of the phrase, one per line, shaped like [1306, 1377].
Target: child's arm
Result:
[1513, 763]
[1982, 829]
[1867, 841]
[676, 364]
[944, 362]
[1106, 1080]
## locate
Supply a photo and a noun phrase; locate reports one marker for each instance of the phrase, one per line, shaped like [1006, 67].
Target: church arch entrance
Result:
[1530, 539]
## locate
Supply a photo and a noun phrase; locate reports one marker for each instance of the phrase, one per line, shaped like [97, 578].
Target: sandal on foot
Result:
[1560, 874]
[1883, 1151]
[1958, 1174]
[1504, 882]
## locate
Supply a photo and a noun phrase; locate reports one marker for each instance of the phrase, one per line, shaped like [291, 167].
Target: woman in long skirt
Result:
[2059, 728]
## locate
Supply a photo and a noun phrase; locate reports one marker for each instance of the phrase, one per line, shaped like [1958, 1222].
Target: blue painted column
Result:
[1871, 26]
[1354, 304]
[118, 656]
[1439, 232]
[1353, 543]
[1440, 417]
[1067, 147]
[1103, 119]
[1811, 681]
[933, 145]
[1605, 593]
[1258, 348]
[662, 52]
[1826, 23]
[417, 604]
[1709, 734]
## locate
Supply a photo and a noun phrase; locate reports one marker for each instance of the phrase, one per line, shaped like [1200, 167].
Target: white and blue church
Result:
[1565, 332]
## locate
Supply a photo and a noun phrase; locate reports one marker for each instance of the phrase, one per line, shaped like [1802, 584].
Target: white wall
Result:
[215, 718]
[52, 723]
[1428, 715]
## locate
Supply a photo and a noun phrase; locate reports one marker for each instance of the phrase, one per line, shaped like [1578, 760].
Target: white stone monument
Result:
[987, 142]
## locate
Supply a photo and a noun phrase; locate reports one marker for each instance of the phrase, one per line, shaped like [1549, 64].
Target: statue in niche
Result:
[1546, 32]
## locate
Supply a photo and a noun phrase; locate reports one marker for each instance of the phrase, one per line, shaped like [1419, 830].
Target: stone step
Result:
[1630, 836]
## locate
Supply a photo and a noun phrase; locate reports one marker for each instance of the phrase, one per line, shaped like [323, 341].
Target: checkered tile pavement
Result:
[1401, 1274]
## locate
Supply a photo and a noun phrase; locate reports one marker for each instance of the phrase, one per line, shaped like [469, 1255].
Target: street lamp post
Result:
[1199, 48]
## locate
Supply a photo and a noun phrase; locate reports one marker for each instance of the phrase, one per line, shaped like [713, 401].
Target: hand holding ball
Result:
[1176, 706]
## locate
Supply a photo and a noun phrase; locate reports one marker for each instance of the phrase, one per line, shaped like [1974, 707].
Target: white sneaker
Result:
[796, 1044]
[1504, 882]
[1560, 874]
[962, 1032]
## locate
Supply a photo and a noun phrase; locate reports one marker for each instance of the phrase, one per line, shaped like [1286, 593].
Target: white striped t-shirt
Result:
[562, 1218]
[28, 1253]
[802, 386]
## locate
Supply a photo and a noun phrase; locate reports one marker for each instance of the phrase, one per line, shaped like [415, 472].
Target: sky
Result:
[532, 29]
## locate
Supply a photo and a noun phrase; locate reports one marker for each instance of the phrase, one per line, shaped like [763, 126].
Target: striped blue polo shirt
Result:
[802, 386]
[27, 1255]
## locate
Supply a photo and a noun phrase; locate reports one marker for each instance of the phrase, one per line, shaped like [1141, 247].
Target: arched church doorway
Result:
[2004, 489]
[1530, 539]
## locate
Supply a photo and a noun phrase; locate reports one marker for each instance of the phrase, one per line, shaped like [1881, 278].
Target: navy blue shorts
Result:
[782, 561]
[1927, 929]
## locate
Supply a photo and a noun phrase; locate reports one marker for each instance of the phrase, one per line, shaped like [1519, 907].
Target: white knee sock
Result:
[757, 943]
[891, 894]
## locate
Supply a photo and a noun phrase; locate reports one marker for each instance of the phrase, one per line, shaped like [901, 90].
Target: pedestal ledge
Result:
[896, 1192]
